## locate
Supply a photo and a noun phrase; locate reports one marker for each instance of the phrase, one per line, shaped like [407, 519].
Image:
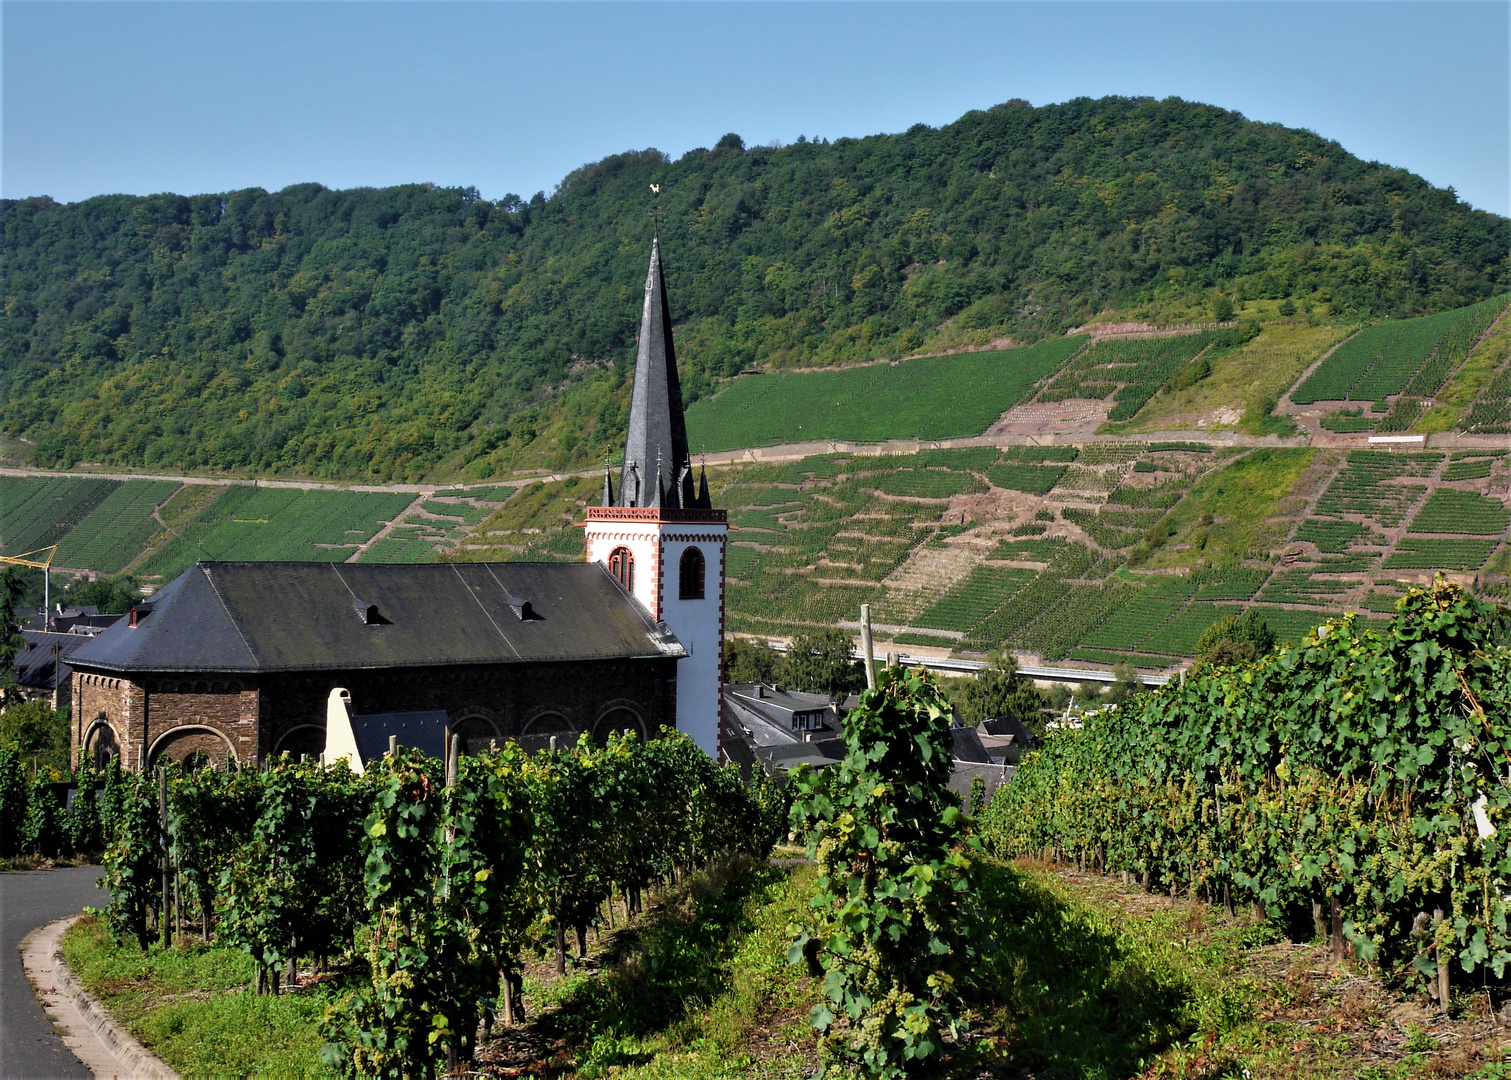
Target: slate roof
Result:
[284, 616]
[762, 707]
[38, 667]
[424, 730]
[967, 746]
[657, 470]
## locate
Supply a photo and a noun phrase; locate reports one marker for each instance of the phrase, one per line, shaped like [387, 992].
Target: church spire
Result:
[657, 431]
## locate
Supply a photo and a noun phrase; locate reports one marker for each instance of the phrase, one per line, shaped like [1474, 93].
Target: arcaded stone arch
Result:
[477, 729]
[301, 739]
[616, 719]
[188, 741]
[545, 725]
[100, 743]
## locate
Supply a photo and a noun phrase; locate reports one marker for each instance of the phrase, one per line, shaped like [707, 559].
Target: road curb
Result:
[86, 1027]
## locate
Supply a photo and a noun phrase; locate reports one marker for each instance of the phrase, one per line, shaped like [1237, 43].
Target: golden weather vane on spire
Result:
[654, 213]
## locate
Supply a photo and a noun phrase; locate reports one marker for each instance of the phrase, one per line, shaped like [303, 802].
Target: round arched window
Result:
[622, 566]
[690, 575]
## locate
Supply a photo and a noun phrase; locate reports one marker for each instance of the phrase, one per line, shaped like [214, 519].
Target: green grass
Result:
[1076, 977]
[1232, 512]
[934, 398]
[191, 1008]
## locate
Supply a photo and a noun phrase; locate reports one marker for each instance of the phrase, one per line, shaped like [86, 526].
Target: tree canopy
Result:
[417, 331]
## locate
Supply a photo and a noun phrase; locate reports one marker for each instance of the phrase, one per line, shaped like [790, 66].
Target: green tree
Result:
[1125, 684]
[37, 733]
[750, 661]
[12, 642]
[113, 596]
[999, 691]
[1222, 308]
[895, 896]
[1234, 639]
[415, 329]
[820, 663]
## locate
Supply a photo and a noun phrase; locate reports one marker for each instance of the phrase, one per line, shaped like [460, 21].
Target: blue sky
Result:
[212, 96]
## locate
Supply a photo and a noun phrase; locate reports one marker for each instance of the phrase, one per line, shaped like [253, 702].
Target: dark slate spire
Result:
[703, 502]
[608, 483]
[657, 432]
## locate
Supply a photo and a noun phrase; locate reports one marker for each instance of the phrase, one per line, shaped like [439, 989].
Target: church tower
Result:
[659, 535]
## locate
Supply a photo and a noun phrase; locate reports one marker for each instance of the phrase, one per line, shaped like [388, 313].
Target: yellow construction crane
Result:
[44, 565]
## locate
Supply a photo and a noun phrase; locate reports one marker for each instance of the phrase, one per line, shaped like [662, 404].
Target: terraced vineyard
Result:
[1130, 370]
[967, 604]
[1370, 485]
[1413, 553]
[117, 529]
[1112, 550]
[934, 398]
[1450, 510]
[41, 511]
[156, 528]
[1409, 357]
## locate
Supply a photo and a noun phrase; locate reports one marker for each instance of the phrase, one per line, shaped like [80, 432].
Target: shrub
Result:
[894, 891]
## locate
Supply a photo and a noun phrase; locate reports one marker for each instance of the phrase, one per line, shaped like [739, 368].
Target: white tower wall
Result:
[657, 546]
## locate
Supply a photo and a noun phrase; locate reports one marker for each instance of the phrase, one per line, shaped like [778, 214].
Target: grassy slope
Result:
[191, 1008]
[1086, 979]
[1242, 381]
[1235, 511]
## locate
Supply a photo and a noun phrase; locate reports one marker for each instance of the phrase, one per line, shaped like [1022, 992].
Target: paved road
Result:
[29, 899]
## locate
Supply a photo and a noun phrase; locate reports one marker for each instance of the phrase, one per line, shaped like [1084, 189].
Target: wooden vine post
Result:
[867, 656]
[165, 920]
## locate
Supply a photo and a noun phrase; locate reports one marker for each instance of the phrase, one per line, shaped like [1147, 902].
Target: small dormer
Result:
[137, 613]
[367, 612]
[521, 607]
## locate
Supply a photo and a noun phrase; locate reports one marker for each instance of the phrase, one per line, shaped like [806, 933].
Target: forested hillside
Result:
[420, 331]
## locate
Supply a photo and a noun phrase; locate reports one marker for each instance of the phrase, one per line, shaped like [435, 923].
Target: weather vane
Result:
[654, 213]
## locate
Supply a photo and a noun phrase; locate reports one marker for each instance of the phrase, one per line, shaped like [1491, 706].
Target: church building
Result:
[238, 661]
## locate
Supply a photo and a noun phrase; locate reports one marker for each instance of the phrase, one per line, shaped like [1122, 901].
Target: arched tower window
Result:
[622, 566]
[690, 575]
